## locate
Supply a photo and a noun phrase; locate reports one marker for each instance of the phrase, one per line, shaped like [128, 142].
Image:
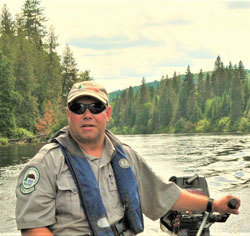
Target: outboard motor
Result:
[187, 223]
[195, 223]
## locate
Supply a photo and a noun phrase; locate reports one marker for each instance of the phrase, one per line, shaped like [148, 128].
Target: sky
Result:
[122, 41]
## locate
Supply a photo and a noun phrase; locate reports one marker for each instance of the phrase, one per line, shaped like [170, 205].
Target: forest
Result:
[214, 101]
[35, 81]
[34, 78]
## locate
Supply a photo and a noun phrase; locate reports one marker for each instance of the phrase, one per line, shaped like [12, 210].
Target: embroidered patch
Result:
[123, 163]
[30, 179]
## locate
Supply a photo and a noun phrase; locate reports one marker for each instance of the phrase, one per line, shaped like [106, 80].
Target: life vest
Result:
[90, 196]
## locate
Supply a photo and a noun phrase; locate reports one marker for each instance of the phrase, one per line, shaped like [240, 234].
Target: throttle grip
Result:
[233, 203]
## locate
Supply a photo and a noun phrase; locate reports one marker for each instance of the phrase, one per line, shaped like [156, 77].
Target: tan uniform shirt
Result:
[47, 195]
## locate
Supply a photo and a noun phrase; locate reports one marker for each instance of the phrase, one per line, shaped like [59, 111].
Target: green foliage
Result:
[141, 122]
[216, 101]
[203, 126]
[31, 71]
[244, 125]
[189, 127]
[7, 97]
[61, 121]
[224, 124]
[23, 133]
[69, 73]
[3, 141]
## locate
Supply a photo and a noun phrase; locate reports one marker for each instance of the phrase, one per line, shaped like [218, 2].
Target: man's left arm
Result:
[193, 202]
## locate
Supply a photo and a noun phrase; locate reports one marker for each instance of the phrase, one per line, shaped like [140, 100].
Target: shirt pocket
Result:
[114, 197]
[67, 200]
[112, 183]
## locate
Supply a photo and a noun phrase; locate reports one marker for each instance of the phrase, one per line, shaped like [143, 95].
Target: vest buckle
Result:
[119, 227]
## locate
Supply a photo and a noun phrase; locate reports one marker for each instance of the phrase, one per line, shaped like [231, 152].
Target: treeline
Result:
[34, 78]
[35, 81]
[216, 101]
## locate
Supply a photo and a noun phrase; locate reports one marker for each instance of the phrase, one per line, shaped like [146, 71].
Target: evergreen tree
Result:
[176, 83]
[181, 111]
[213, 85]
[193, 110]
[201, 90]
[189, 82]
[6, 22]
[208, 89]
[155, 123]
[165, 106]
[130, 108]
[20, 26]
[225, 105]
[142, 118]
[26, 111]
[52, 79]
[85, 76]
[236, 99]
[7, 39]
[69, 73]
[244, 83]
[229, 77]
[218, 64]
[143, 93]
[34, 19]
[219, 77]
[8, 98]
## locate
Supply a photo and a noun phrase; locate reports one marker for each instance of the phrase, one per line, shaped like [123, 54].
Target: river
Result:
[223, 159]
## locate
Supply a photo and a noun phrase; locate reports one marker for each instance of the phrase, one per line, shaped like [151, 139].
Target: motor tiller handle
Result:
[233, 203]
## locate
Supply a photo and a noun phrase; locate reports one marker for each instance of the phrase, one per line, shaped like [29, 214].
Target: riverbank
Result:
[34, 139]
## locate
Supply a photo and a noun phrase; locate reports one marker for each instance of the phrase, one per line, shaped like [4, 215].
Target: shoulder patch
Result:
[30, 179]
[123, 163]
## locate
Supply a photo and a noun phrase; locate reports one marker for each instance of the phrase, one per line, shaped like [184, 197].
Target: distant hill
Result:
[117, 93]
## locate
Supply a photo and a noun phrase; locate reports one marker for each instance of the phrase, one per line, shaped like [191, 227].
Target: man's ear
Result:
[109, 113]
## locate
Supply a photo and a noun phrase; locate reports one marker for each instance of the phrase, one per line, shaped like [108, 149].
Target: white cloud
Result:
[122, 41]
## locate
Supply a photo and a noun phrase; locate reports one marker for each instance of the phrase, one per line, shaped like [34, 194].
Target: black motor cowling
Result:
[187, 223]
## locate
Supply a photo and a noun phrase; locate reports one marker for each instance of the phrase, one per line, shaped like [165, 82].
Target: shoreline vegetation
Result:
[34, 139]
[45, 137]
[35, 81]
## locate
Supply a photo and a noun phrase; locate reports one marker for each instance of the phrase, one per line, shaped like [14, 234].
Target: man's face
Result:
[88, 127]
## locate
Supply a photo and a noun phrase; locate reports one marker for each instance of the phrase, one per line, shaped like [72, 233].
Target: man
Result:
[86, 182]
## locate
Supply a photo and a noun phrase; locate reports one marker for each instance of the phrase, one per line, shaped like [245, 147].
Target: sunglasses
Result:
[80, 108]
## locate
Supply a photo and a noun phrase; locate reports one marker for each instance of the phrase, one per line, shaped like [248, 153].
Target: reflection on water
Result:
[223, 159]
[17, 154]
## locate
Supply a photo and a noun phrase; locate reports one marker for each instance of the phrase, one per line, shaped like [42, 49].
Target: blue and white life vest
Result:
[90, 196]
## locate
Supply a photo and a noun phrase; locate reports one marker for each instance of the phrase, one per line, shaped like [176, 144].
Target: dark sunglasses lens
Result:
[96, 108]
[77, 108]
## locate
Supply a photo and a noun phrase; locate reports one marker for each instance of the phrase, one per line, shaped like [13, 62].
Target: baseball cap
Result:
[90, 89]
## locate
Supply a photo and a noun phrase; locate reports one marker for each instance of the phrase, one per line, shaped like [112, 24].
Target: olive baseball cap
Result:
[89, 89]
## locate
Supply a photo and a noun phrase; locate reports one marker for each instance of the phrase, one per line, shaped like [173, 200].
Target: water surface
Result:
[223, 159]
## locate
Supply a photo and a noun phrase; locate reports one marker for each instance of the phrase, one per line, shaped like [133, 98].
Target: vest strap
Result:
[80, 174]
[91, 200]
